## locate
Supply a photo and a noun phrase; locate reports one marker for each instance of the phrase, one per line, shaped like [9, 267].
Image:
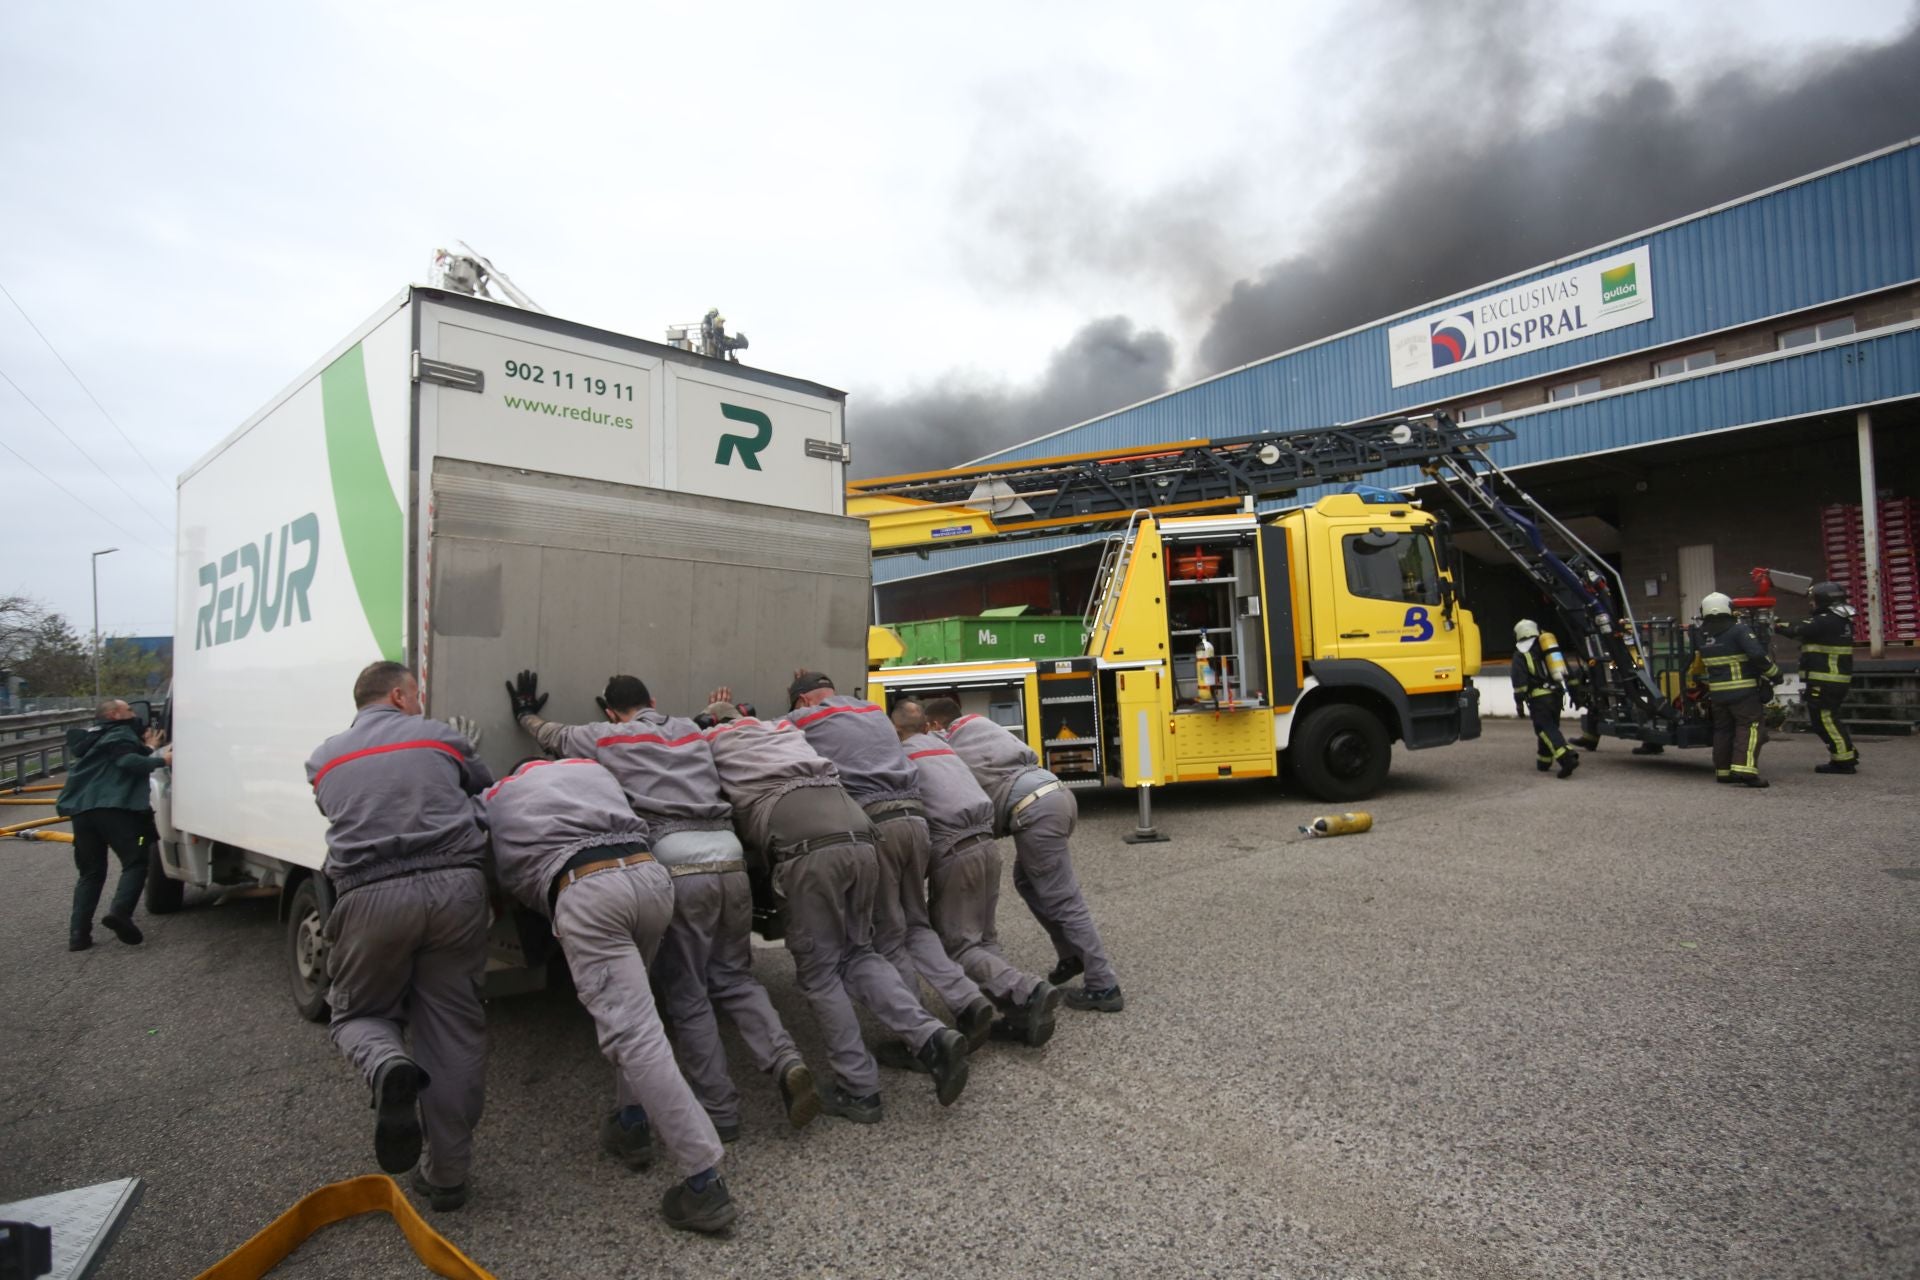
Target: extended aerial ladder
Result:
[1092, 492]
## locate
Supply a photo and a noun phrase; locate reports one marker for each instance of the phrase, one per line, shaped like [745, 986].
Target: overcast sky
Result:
[957, 205]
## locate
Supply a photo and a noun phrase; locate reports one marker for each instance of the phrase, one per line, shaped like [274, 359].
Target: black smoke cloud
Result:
[1106, 365]
[1515, 176]
[1441, 215]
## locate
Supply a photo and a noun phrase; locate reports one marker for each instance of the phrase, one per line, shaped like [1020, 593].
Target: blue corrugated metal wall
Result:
[1842, 233]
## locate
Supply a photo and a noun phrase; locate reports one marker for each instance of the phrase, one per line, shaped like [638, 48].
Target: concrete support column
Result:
[1870, 531]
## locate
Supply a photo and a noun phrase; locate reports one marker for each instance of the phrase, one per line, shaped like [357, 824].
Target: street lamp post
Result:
[96, 619]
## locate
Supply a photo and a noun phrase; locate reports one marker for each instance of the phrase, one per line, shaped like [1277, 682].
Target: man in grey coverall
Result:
[567, 844]
[407, 933]
[705, 962]
[965, 880]
[856, 735]
[791, 811]
[1039, 812]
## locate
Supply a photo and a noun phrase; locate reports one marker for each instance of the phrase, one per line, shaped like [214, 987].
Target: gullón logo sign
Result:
[1590, 299]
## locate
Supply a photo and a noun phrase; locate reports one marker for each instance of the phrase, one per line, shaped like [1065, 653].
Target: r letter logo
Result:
[748, 446]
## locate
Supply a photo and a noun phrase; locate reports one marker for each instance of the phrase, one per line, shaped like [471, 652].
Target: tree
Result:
[43, 650]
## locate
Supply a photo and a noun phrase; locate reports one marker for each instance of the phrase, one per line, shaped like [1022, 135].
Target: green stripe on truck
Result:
[372, 530]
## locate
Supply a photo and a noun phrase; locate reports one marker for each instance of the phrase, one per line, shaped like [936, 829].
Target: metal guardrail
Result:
[23, 758]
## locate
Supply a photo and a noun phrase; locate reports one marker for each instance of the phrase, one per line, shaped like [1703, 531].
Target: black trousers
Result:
[125, 831]
[1545, 714]
[1823, 709]
[1737, 734]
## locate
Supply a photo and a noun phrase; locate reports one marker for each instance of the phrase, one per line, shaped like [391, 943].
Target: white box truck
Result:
[472, 489]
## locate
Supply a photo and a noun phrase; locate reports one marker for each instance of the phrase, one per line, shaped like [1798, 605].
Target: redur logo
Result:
[245, 586]
[1452, 339]
[1619, 285]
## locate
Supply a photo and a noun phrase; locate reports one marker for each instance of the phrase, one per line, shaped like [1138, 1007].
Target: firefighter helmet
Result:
[1525, 629]
[1827, 594]
[1716, 604]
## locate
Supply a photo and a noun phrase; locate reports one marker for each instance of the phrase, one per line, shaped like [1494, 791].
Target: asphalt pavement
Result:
[1629, 1024]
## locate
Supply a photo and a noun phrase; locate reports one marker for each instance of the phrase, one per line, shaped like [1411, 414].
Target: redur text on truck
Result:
[473, 488]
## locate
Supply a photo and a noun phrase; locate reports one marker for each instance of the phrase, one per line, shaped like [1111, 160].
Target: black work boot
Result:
[896, 1057]
[975, 1021]
[124, 929]
[1544, 766]
[1035, 1017]
[1107, 1001]
[838, 1102]
[79, 941]
[632, 1147]
[443, 1199]
[1649, 749]
[1587, 742]
[945, 1055]
[396, 1122]
[1066, 971]
[1568, 763]
[798, 1095]
[709, 1209]
[1834, 767]
[1753, 780]
[727, 1133]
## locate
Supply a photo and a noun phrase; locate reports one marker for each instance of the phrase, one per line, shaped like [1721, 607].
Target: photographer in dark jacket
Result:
[106, 796]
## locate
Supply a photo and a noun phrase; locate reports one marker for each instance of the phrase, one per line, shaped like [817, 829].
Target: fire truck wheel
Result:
[1341, 753]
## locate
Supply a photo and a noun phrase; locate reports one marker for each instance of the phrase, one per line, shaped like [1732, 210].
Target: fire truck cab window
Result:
[1392, 566]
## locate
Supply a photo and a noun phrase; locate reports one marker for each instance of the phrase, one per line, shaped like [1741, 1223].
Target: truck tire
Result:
[165, 895]
[307, 952]
[1341, 753]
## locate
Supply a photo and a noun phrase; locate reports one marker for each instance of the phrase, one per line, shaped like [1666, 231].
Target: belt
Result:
[576, 870]
[1031, 796]
[707, 868]
[968, 842]
[786, 853]
[886, 809]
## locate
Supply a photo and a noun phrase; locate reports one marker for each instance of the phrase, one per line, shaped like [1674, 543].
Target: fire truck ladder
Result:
[1077, 492]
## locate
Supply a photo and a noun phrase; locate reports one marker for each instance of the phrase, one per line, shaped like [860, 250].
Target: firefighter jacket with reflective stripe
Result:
[1530, 678]
[956, 807]
[397, 791]
[663, 762]
[1826, 646]
[1737, 664]
[857, 736]
[546, 811]
[1005, 766]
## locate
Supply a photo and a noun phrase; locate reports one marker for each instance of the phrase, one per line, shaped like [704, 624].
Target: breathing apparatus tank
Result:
[1556, 660]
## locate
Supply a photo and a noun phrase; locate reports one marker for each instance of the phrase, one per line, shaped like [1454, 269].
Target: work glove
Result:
[466, 727]
[523, 691]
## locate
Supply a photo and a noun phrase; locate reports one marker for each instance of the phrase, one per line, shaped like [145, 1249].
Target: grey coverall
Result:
[1040, 813]
[863, 745]
[407, 933]
[705, 963]
[964, 892]
[790, 808]
[609, 922]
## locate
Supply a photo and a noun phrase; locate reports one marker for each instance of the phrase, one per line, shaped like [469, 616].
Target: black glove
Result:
[523, 691]
[745, 709]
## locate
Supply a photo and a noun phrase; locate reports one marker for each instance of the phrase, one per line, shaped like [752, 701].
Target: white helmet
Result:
[1525, 629]
[1715, 604]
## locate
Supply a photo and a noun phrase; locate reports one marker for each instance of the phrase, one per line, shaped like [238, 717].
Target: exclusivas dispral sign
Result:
[1601, 295]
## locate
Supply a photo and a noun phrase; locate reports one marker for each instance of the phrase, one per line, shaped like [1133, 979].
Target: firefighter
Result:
[856, 735]
[407, 935]
[705, 963]
[791, 812]
[1739, 677]
[568, 845]
[1541, 695]
[1826, 666]
[1039, 812]
[964, 888]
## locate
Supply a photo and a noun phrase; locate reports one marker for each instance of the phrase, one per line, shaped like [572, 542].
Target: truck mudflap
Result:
[1469, 710]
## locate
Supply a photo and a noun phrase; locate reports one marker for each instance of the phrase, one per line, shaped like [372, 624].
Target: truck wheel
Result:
[165, 895]
[1341, 754]
[307, 952]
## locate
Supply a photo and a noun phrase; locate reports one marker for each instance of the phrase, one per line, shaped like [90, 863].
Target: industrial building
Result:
[1737, 388]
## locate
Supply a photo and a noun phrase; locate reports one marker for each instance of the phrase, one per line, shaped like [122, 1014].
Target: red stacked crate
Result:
[1899, 570]
[1845, 549]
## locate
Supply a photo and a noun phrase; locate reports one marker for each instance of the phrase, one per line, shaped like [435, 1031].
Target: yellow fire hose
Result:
[336, 1203]
[63, 837]
[18, 827]
[20, 791]
[10, 800]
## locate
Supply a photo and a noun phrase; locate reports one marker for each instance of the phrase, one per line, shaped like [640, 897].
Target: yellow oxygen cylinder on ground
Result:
[1339, 824]
[1203, 681]
[1556, 660]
